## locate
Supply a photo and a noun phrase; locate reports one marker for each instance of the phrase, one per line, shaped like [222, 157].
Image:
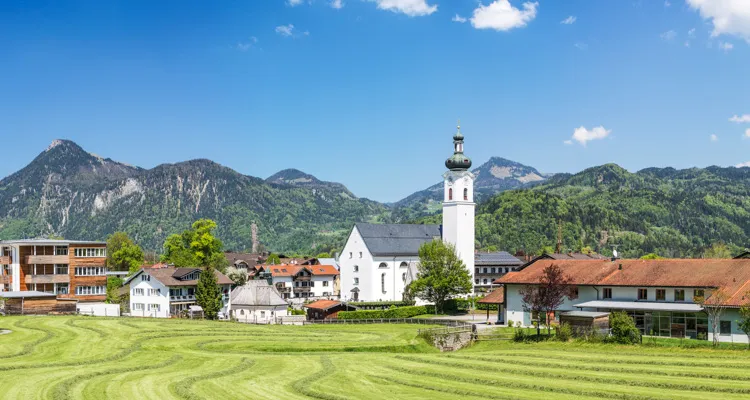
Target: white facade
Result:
[458, 215]
[515, 312]
[375, 278]
[259, 314]
[148, 297]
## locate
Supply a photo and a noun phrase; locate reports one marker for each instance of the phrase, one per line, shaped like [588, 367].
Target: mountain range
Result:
[66, 191]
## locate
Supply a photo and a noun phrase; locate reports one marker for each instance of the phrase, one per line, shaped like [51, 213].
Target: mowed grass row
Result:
[94, 358]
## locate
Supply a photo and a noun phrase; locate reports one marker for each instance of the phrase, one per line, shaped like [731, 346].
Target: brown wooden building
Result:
[36, 303]
[66, 268]
[325, 309]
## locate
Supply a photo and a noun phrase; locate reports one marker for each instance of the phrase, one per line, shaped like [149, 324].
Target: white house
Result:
[166, 291]
[379, 260]
[303, 282]
[257, 303]
[657, 294]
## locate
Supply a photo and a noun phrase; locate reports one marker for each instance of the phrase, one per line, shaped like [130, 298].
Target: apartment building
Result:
[304, 281]
[71, 269]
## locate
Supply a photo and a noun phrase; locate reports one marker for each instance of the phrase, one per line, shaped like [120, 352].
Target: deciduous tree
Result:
[208, 293]
[718, 250]
[744, 322]
[237, 275]
[546, 297]
[714, 306]
[123, 254]
[273, 259]
[195, 247]
[441, 275]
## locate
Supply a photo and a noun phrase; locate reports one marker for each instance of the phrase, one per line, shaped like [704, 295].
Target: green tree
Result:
[744, 323]
[651, 256]
[273, 259]
[718, 250]
[441, 275]
[195, 247]
[208, 293]
[114, 283]
[623, 328]
[323, 255]
[237, 275]
[123, 254]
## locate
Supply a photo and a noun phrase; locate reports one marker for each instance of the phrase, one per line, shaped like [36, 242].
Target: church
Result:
[379, 260]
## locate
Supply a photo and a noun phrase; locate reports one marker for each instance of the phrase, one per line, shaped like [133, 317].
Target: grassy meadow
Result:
[127, 358]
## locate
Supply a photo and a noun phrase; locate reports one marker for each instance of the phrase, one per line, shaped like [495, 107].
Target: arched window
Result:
[382, 281]
[450, 193]
[466, 193]
[383, 265]
[403, 264]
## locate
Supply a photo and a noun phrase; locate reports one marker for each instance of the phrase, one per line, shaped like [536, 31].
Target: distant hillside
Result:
[68, 192]
[295, 177]
[494, 176]
[674, 213]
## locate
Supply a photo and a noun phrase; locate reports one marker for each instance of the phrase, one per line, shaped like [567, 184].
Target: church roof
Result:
[396, 239]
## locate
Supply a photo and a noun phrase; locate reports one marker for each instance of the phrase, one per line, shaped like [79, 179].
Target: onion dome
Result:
[458, 161]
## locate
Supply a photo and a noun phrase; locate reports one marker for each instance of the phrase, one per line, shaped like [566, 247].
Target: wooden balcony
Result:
[46, 260]
[302, 278]
[302, 289]
[5, 260]
[284, 289]
[57, 278]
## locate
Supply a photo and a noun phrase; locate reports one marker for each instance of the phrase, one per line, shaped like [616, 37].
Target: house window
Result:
[382, 282]
[476, 270]
[575, 292]
[360, 254]
[403, 277]
[350, 254]
[91, 290]
[191, 291]
[262, 314]
[476, 281]
[154, 307]
[466, 194]
[450, 193]
[698, 294]
[154, 292]
[61, 250]
[679, 295]
[138, 292]
[90, 271]
[607, 293]
[145, 278]
[356, 268]
[661, 294]
[325, 283]
[492, 270]
[91, 252]
[383, 265]
[642, 294]
[61, 269]
[725, 327]
[242, 312]
[138, 306]
[484, 270]
[356, 281]
[404, 264]
[62, 288]
[484, 281]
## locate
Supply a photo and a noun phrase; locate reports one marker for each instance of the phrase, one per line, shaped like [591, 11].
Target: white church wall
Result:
[356, 254]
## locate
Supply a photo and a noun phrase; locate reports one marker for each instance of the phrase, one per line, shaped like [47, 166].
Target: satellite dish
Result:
[614, 253]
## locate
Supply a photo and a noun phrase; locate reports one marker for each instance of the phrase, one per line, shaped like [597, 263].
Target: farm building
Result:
[582, 321]
[257, 302]
[496, 297]
[658, 294]
[325, 309]
[36, 303]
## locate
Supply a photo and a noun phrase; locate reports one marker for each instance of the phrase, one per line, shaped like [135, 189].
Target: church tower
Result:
[458, 203]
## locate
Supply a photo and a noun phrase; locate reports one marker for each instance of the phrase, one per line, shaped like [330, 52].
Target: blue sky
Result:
[368, 94]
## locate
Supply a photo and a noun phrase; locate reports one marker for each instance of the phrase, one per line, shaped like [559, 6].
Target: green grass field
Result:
[91, 358]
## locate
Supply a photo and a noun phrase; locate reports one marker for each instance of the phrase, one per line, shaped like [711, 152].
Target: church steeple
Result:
[458, 161]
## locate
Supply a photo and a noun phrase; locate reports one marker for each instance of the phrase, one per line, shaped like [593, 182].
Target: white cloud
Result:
[747, 133]
[729, 17]
[285, 30]
[725, 46]
[569, 20]
[412, 8]
[581, 45]
[247, 45]
[668, 35]
[337, 4]
[740, 118]
[458, 18]
[714, 138]
[500, 15]
[667, 3]
[568, 142]
[744, 164]
[583, 135]
[691, 33]
[293, 3]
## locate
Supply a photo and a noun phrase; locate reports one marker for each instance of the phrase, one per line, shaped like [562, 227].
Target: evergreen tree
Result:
[208, 293]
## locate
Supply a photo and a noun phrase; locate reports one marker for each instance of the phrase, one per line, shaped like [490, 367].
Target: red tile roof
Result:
[322, 269]
[292, 270]
[497, 296]
[730, 275]
[323, 304]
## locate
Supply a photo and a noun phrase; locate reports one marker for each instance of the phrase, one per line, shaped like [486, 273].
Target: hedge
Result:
[370, 305]
[396, 312]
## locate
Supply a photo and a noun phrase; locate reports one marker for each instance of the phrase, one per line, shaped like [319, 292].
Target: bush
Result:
[396, 312]
[293, 311]
[623, 329]
[519, 335]
[564, 332]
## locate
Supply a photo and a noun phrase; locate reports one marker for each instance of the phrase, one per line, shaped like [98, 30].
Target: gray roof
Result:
[50, 242]
[256, 293]
[641, 305]
[27, 293]
[396, 239]
[586, 314]
[328, 261]
[496, 258]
